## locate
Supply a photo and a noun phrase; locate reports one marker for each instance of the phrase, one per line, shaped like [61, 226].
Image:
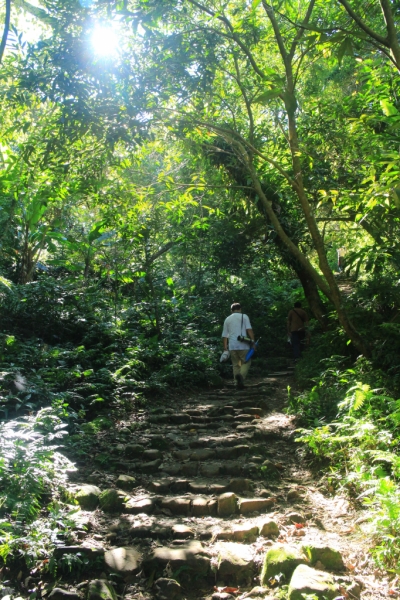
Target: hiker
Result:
[237, 329]
[297, 322]
[341, 259]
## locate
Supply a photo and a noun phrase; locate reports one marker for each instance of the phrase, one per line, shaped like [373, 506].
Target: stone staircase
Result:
[196, 495]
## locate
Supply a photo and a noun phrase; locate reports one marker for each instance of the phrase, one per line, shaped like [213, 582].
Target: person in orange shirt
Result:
[297, 322]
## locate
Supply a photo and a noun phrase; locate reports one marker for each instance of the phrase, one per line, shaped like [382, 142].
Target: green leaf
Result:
[255, 3]
[388, 108]
[268, 95]
[346, 47]
[97, 231]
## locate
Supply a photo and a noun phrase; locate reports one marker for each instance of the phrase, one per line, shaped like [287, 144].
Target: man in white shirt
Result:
[238, 325]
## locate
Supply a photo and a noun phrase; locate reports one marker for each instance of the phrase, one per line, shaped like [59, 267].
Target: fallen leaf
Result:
[299, 525]
[226, 589]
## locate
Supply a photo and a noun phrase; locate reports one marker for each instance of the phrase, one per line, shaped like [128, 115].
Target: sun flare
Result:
[105, 40]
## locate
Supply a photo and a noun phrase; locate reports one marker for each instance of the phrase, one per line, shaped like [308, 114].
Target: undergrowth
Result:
[33, 475]
[361, 443]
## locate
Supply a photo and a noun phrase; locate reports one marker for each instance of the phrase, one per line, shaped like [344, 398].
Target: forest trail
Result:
[201, 491]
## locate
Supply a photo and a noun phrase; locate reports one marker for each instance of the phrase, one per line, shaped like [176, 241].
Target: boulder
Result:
[189, 469]
[179, 485]
[227, 504]
[231, 467]
[198, 487]
[81, 520]
[152, 454]
[269, 529]
[100, 589]
[295, 517]
[280, 558]
[329, 557]
[167, 589]
[112, 500]
[235, 562]
[306, 580]
[136, 506]
[125, 482]
[61, 594]
[210, 469]
[213, 507]
[223, 534]
[190, 558]
[200, 507]
[182, 454]
[245, 533]
[203, 454]
[182, 532]
[151, 467]
[88, 497]
[172, 468]
[218, 488]
[223, 453]
[124, 561]
[239, 485]
[177, 506]
[293, 495]
[158, 441]
[248, 505]
[134, 450]
[159, 487]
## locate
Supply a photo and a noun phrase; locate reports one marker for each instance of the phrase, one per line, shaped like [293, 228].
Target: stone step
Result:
[205, 426]
[244, 403]
[232, 439]
[280, 374]
[233, 563]
[186, 559]
[205, 469]
[199, 486]
[205, 454]
[224, 505]
[252, 410]
[172, 528]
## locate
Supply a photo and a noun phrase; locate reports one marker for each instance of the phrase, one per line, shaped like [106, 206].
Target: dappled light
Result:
[199, 300]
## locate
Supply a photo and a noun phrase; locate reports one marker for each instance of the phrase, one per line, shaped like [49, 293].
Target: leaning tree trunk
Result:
[312, 296]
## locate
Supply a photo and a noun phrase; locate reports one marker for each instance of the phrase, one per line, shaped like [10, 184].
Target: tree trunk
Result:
[335, 294]
[312, 296]
[27, 265]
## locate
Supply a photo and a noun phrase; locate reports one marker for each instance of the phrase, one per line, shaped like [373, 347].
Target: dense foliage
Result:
[219, 152]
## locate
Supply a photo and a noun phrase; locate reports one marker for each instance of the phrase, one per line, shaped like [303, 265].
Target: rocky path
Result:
[211, 497]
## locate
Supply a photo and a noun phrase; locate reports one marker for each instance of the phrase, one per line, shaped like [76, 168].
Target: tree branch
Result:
[391, 30]
[271, 15]
[6, 29]
[379, 38]
[300, 31]
[246, 100]
[37, 12]
[150, 259]
[234, 36]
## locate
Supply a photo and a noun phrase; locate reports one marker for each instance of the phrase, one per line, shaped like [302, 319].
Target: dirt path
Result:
[212, 483]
